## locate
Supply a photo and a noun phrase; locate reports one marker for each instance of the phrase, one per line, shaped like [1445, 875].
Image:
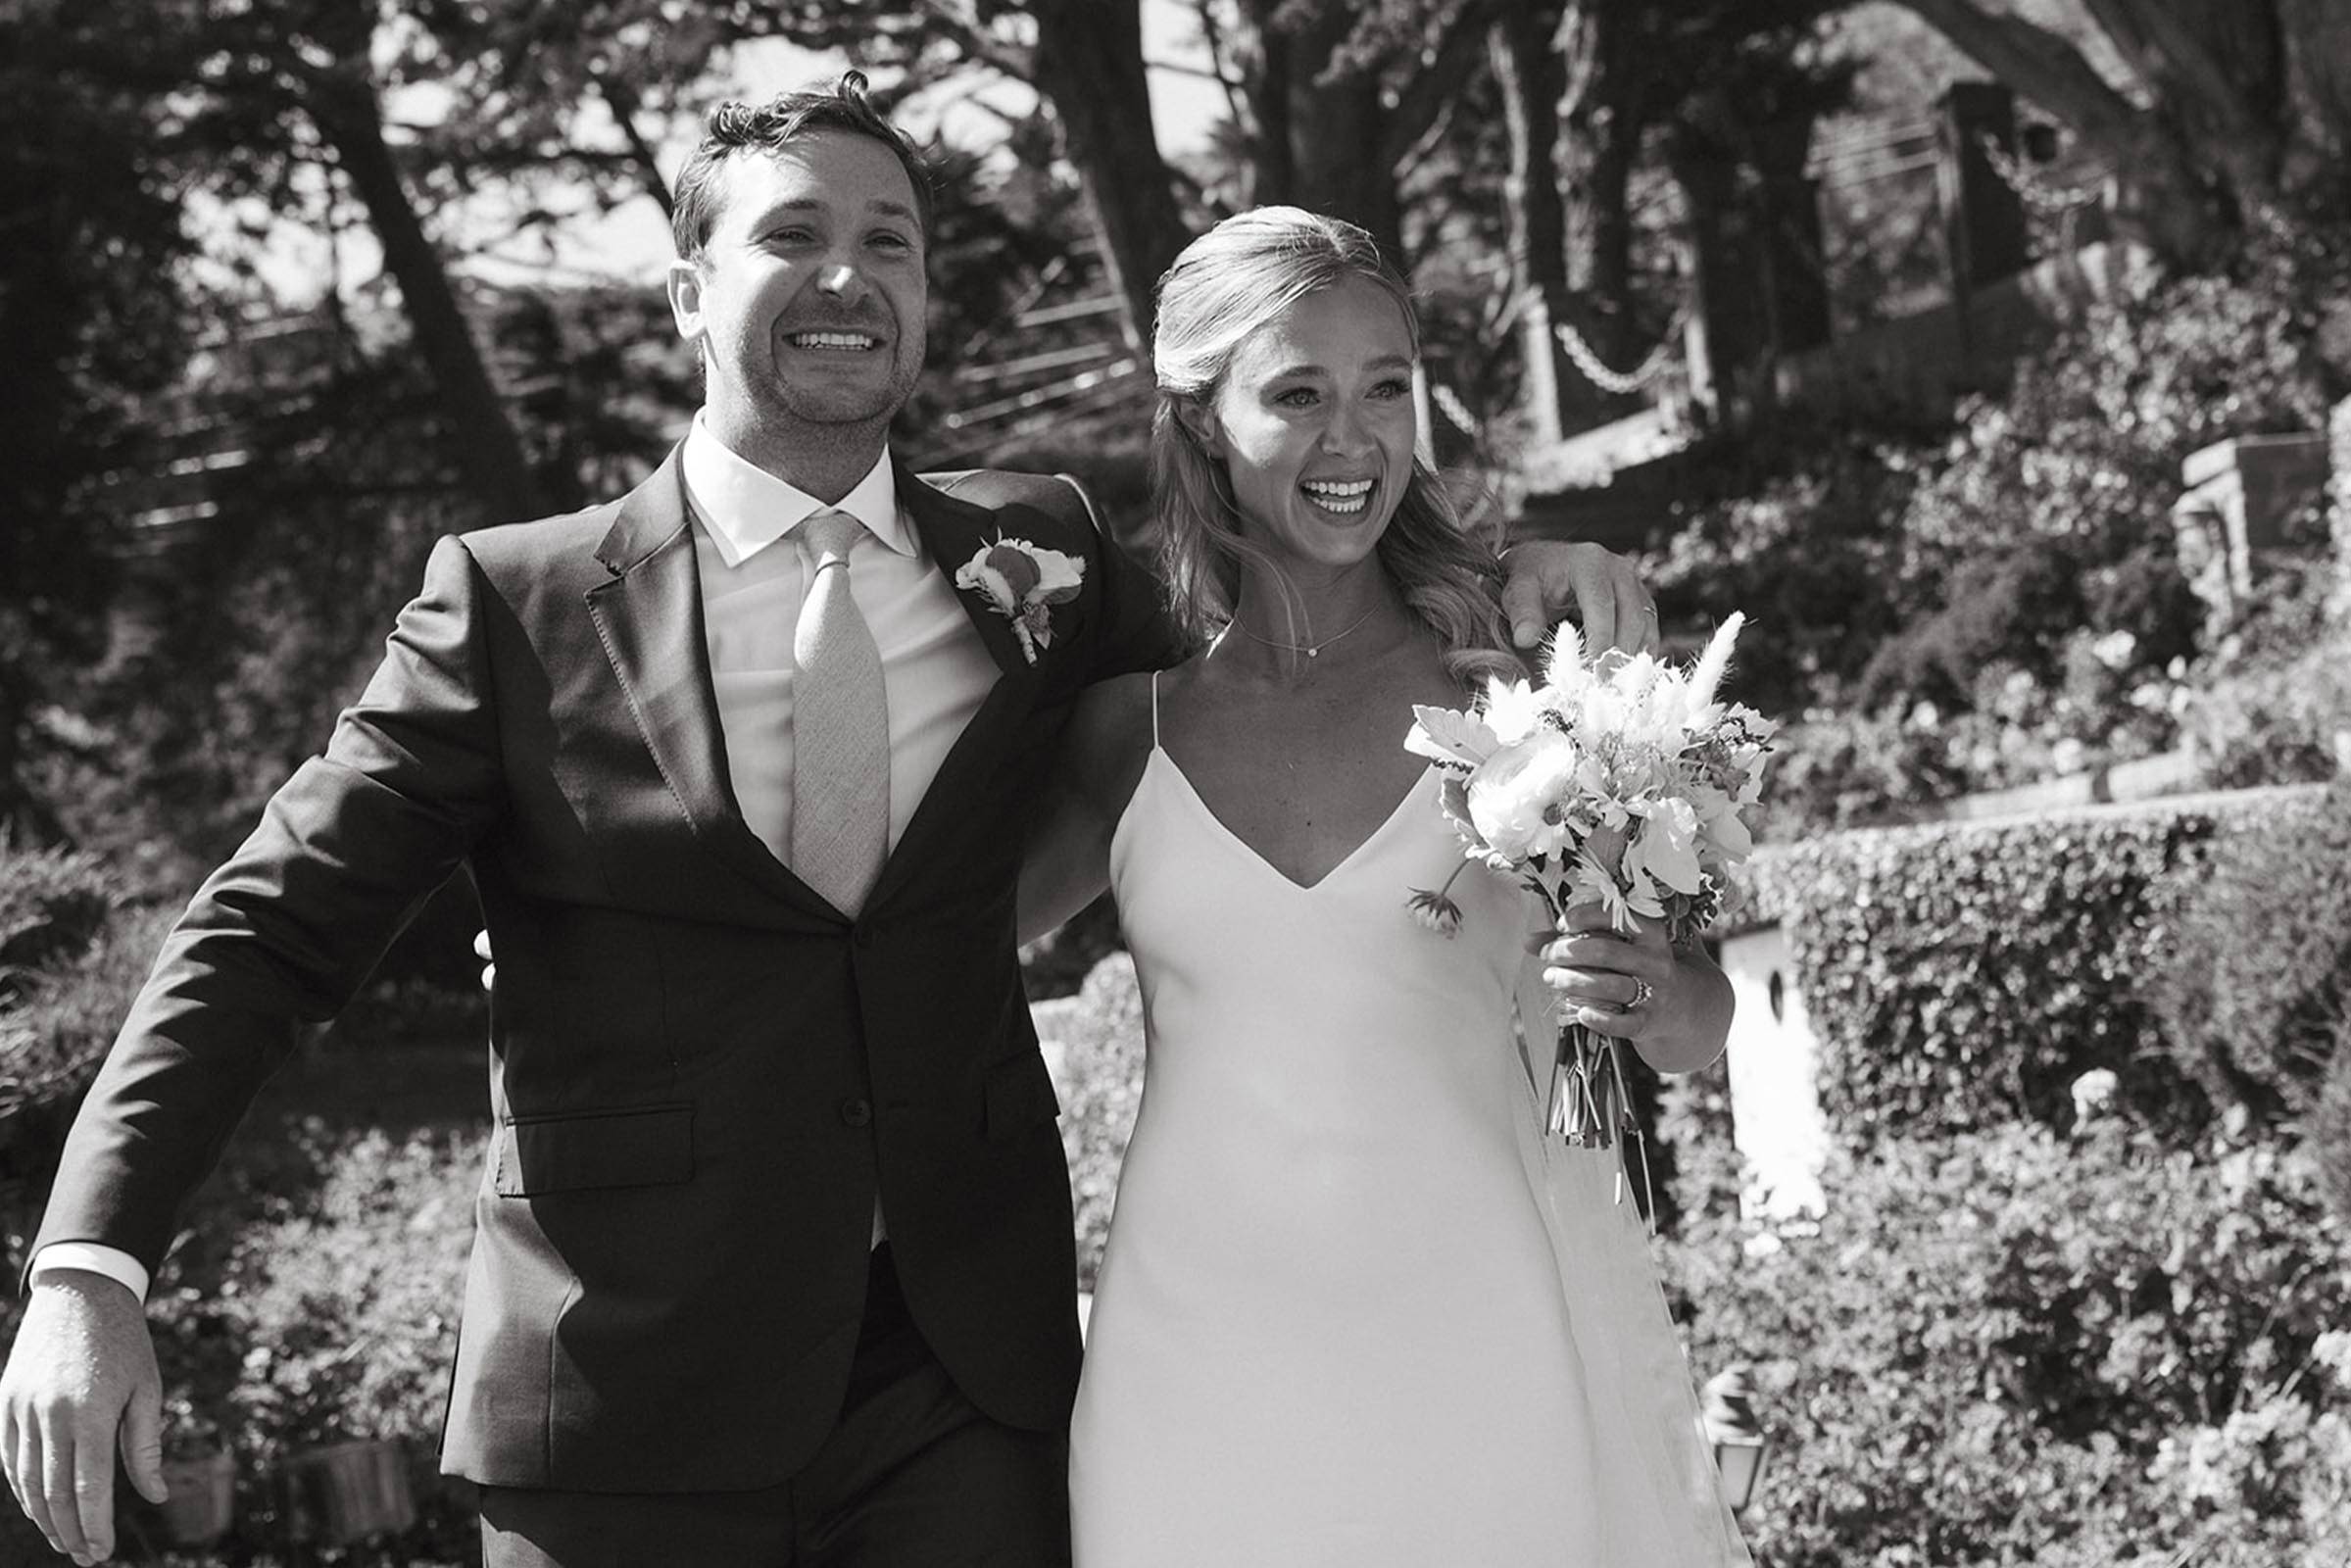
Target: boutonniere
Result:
[1022, 582]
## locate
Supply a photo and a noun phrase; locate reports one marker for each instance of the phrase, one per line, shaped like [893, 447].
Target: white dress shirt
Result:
[936, 672]
[935, 669]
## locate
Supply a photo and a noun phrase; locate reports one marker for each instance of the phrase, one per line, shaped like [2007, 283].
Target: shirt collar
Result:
[746, 508]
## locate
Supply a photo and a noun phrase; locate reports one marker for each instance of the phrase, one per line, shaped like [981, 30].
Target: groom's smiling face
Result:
[808, 298]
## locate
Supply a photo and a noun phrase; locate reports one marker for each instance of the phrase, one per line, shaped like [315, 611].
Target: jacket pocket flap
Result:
[1019, 1093]
[645, 1147]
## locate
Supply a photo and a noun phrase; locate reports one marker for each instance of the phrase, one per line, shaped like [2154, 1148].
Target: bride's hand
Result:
[1674, 1007]
[1620, 985]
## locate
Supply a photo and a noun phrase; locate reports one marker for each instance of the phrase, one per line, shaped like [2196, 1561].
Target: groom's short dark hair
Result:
[739, 127]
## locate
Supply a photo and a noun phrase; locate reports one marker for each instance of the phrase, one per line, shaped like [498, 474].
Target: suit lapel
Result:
[952, 532]
[649, 618]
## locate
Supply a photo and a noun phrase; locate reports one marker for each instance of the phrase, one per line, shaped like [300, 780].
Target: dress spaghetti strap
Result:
[1155, 710]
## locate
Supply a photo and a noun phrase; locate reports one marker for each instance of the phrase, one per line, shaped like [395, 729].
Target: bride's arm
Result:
[1679, 1026]
[1067, 862]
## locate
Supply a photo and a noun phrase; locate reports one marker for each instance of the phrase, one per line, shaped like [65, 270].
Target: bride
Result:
[1355, 1309]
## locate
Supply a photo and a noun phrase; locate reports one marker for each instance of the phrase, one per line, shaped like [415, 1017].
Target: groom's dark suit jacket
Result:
[700, 1074]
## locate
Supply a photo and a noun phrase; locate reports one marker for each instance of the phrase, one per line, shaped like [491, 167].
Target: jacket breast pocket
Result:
[643, 1146]
[1019, 1093]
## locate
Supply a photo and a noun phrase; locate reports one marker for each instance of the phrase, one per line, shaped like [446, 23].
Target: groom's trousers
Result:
[914, 1475]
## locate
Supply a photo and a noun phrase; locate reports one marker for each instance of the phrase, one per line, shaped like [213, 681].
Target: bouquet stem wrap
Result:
[1590, 1107]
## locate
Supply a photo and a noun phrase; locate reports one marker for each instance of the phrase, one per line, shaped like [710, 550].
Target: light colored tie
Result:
[839, 729]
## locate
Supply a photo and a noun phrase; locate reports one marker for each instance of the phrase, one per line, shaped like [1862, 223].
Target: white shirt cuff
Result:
[113, 1262]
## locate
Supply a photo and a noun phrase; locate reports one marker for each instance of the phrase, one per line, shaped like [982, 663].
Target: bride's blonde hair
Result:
[1226, 285]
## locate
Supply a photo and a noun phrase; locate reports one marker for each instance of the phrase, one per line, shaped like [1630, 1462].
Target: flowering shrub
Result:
[1946, 611]
[314, 1296]
[1099, 1031]
[2013, 1348]
[1961, 975]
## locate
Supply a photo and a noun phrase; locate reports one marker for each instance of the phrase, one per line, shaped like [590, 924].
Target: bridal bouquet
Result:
[1617, 781]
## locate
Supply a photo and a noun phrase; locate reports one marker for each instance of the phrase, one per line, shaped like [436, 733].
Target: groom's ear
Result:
[684, 287]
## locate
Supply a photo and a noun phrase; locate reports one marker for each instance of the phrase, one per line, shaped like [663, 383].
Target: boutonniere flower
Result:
[1022, 582]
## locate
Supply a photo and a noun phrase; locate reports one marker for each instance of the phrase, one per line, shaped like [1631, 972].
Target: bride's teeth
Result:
[1350, 497]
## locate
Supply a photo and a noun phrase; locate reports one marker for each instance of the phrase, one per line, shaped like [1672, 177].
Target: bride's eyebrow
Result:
[1386, 362]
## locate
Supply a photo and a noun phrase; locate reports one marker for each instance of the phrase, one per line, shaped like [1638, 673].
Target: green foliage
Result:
[1961, 976]
[72, 955]
[315, 1295]
[2272, 703]
[91, 322]
[2008, 1347]
[1961, 610]
[1101, 1032]
[2256, 984]
[52, 902]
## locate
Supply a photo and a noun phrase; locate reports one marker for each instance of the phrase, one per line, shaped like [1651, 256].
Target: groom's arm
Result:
[1136, 632]
[287, 929]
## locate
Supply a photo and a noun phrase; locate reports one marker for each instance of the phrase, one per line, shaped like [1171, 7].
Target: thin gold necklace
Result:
[1308, 649]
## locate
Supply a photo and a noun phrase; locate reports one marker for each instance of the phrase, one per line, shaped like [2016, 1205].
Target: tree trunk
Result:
[344, 106]
[1335, 126]
[1089, 64]
[1603, 111]
[2319, 46]
[1531, 82]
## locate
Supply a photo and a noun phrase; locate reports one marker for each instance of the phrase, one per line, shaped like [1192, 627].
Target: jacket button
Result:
[855, 1112]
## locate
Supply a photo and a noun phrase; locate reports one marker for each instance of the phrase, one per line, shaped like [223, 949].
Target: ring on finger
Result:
[1643, 991]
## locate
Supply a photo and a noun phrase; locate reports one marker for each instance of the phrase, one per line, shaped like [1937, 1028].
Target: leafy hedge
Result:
[1961, 975]
[2012, 1346]
[2258, 984]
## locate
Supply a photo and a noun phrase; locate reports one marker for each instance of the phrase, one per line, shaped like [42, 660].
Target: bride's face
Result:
[1314, 426]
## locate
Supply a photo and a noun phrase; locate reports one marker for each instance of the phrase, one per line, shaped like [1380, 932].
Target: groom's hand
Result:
[1551, 578]
[80, 1381]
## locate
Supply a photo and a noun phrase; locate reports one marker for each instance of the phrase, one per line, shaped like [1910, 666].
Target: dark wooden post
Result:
[1982, 219]
[1796, 276]
[1721, 333]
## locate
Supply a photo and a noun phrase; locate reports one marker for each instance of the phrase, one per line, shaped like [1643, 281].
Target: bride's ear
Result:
[1201, 422]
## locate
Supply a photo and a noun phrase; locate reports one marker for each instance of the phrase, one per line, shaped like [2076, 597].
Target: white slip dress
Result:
[1354, 1308]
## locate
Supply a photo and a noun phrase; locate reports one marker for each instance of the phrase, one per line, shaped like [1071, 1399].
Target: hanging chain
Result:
[2028, 187]
[1450, 404]
[1616, 382]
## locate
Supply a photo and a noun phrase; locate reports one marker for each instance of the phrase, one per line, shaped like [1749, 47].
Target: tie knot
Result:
[830, 534]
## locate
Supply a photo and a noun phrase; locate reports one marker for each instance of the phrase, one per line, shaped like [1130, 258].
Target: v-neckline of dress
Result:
[1200, 803]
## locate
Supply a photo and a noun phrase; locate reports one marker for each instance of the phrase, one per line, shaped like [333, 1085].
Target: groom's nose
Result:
[838, 279]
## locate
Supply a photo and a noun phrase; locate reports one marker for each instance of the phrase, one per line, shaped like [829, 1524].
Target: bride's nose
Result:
[1345, 434]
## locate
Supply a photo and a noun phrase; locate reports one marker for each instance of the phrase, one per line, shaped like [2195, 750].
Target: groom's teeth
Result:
[831, 340]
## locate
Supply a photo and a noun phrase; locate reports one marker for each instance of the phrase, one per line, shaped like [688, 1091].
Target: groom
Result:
[773, 1257]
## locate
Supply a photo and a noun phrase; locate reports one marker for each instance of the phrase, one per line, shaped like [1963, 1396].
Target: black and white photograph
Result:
[1175, 783]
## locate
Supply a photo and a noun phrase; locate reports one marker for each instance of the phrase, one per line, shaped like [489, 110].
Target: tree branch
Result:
[981, 46]
[2038, 63]
[1437, 82]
